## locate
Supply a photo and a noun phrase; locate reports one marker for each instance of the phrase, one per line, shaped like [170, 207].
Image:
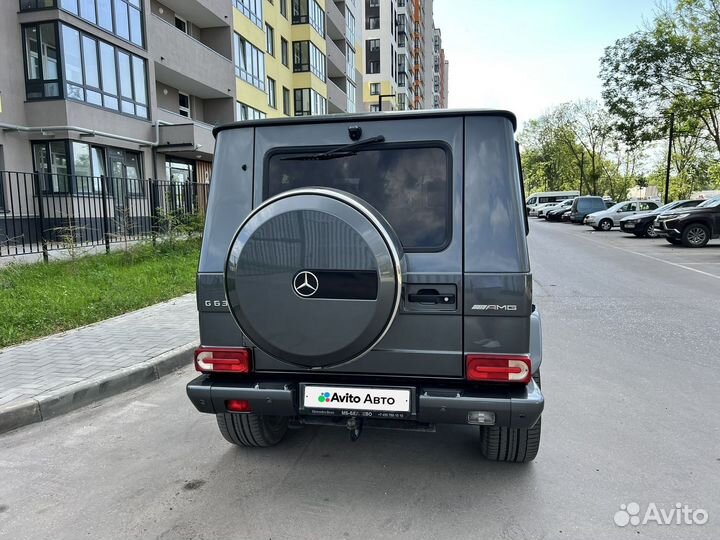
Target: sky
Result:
[528, 55]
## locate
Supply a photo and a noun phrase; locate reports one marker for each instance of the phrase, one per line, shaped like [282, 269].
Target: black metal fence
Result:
[42, 212]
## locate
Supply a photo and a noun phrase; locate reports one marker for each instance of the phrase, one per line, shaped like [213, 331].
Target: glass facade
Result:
[93, 69]
[252, 9]
[307, 57]
[42, 77]
[122, 18]
[246, 112]
[309, 102]
[309, 12]
[249, 62]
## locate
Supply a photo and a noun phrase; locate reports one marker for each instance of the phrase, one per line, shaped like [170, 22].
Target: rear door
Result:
[414, 179]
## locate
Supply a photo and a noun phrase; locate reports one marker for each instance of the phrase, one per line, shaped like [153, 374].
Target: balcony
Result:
[336, 60]
[184, 62]
[203, 13]
[335, 21]
[337, 98]
[184, 137]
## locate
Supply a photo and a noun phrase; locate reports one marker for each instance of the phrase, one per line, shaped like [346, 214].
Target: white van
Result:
[548, 197]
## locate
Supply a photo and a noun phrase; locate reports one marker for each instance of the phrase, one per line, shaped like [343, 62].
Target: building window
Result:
[372, 23]
[373, 67]
[42, 77]
[309, 102]
[51, 161]
[123, 18]
[181, 24]
[252, 9]
[283, 8]
[309, 11]
[246, 112]
[184, 105]
[350, 63]
[270, 39]
[249, 62]
[373, 45]
[307, 57]
[375, 89]
[349, 27]
[351, 97]
[27, 5]
[284, 52]
[374, 108]
[272, 93]
[286, 101]
[103, 75]
[374, 3]
[402, 102]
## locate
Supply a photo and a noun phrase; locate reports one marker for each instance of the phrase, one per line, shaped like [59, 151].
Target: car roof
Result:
[365, 117]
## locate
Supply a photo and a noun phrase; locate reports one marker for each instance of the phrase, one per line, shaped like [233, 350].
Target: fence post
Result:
[41, 215]
[106, 218]
[152, 185]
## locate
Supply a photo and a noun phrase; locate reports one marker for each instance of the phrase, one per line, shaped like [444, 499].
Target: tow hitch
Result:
[354, 424]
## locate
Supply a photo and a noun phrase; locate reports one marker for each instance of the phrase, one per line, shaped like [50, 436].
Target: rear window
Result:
[409, 186]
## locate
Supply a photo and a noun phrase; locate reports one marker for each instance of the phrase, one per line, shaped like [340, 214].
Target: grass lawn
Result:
[42, 299]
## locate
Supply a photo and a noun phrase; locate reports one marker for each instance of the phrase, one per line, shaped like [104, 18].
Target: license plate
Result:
[353, 400]
[629, 225]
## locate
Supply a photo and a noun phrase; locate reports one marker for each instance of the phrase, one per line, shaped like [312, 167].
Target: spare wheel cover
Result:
[314, 277]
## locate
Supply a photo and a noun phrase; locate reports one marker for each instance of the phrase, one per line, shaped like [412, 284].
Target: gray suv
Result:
[369, 271]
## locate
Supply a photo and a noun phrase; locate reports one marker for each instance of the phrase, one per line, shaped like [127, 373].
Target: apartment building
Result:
[133, 88]
[440, 73]
[399, 45]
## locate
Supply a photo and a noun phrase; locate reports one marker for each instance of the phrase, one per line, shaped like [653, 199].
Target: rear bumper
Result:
[513, 407]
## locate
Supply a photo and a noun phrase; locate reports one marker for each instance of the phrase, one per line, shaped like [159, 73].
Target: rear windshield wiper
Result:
[340, 151]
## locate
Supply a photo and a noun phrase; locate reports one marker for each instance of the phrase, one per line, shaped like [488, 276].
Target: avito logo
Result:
[327, 397]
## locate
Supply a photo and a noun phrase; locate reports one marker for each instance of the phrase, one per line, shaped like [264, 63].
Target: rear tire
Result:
[252, 430]
[511, 445]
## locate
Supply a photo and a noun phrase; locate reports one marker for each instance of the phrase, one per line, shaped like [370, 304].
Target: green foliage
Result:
[672, 66]
[42, 299]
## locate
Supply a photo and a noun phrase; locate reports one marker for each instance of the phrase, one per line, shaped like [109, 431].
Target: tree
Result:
[673, 66]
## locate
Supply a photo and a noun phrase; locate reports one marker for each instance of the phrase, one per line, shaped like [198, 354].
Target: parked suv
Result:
[644, 224]
[582, 206]
[692, 227]
[369, 270]
[604, 220]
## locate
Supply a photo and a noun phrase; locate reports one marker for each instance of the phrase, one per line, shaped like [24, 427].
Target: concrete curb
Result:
[56, 402]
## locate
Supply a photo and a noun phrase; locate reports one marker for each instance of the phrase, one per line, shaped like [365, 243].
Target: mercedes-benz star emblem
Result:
[305, 284]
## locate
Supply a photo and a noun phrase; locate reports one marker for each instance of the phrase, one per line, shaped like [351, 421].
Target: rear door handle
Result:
[433, 298]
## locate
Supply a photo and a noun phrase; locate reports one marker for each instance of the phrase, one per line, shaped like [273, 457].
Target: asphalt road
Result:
[630, 377]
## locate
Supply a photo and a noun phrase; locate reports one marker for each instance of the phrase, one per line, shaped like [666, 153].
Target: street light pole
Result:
[380, 98]
[669, 157]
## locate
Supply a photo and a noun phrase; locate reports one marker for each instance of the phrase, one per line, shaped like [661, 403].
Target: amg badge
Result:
[495, 307]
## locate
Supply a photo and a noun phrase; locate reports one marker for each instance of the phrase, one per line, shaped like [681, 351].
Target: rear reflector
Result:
[215, 360]
[238, 405]
[498, 368]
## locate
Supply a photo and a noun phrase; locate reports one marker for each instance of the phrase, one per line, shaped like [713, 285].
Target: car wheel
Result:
[252, 430]
[695, 235]
[650, 231]
[605, 224]
[673, 241]
[513, 445]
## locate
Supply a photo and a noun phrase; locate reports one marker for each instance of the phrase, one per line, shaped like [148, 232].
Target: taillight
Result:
[217, 360]
[238, 405]
[498, 368]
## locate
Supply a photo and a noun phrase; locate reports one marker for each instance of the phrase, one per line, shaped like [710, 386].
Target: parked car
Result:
[548, 197]
[605, 220]
[556, 210]
[554, 206]
[644, 224]
[327, 299]
[534, 211]
[609, 203]
[692, 227]
[582, 206]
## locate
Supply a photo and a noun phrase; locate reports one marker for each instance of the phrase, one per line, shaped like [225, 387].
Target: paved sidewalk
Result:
[49, 376]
